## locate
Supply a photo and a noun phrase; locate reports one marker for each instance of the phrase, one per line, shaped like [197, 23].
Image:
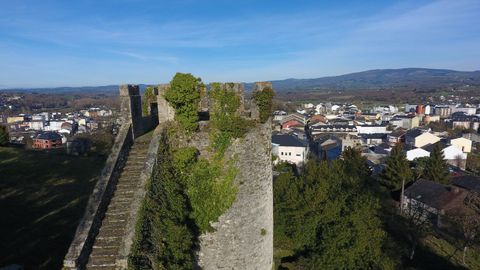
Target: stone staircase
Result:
[108, 242]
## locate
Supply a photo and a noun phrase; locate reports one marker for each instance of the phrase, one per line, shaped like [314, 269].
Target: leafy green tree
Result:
[184, 96]
[329, 218]
[397, 170]
[437, 168]
[286, 199]
[341, 220]
[356, 165]
[420, 165]
[4, 137]
[148, 97]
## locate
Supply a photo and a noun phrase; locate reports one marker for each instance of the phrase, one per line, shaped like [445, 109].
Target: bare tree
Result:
[468, 222]
[418, 223]
[459, 161]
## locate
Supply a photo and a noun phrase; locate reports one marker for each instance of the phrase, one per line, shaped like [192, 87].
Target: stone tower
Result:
[131, 108]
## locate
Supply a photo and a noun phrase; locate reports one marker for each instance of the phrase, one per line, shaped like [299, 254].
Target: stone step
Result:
[130, 173]
[101, 261]
[126, 185]
[116, 218]
[138, 153]
[127, 182]
[119, 207]
[116, 199]
[104, 251]
[134, 165]
[107, 242]
[101, 268]
[120, 225]
[124, 192]
[109, 232]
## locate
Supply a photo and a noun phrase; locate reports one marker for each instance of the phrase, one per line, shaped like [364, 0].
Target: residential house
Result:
[474, 137]
[431, 118]
[461, 120]
[317, 118]
[289, 148]
[328, 147]
[455, 157]
[465, 110]
[406, 121]
[292, 123]
[430, 200]
[15, 119]
[352, 141]
[373, 139]
[467, 182]
[397, 136]
[452, 154]
[47, 140]
[417, 153]
[279, 115]
[463, 144]
[36, 125]
[420, 138]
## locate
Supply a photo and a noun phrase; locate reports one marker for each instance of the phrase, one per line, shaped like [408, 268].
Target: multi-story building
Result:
[47, 140]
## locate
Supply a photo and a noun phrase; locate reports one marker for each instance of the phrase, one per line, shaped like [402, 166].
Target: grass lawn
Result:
[42, 198]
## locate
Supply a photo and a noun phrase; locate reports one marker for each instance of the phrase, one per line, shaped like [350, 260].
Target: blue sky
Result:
[74, 43]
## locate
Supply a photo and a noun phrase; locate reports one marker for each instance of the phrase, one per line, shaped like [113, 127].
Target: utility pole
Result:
[401, 196]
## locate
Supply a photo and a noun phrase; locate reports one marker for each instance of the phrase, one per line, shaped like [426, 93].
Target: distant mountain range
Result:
[405, 78]
[390, 79]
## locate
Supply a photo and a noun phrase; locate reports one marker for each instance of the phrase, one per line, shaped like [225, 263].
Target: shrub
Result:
[226, 123]
[148, 97]
[211, 191]
[264, 100]
[184, 96]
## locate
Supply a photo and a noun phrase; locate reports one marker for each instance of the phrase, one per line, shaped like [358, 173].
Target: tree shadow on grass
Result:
[42, 199]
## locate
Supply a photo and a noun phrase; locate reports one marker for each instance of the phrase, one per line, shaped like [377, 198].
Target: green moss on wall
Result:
[264, 101]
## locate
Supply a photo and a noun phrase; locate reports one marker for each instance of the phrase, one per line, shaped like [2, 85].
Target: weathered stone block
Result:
[165, 111]
[129, 90]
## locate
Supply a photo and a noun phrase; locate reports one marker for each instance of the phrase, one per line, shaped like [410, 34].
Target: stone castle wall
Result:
[243, 236]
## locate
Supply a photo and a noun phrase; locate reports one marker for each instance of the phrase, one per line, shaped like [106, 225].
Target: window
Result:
[298, 155]
[289, 153]
[281, 153]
